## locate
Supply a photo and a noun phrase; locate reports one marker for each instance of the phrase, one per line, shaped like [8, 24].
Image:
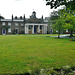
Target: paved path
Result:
[65, 36]
[61, 36]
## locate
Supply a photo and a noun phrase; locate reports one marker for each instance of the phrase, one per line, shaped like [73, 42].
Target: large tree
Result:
[69, 22]
[58, 22]
[67, 15]
[56, 3]
[59, 26]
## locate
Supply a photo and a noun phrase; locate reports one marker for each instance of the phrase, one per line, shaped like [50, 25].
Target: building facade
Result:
[23, 25]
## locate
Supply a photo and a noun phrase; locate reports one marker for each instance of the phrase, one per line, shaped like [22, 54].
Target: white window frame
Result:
[9, 30]
[3, 23]
[21, 24]
[9, 23]
[16, 24]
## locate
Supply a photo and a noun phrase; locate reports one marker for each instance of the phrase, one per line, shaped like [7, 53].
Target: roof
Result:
[1, 17]
[15, 20]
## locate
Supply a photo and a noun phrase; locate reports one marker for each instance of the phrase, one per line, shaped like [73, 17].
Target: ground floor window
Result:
[9, 30]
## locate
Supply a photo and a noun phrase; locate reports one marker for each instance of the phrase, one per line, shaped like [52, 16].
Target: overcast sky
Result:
[21, 7]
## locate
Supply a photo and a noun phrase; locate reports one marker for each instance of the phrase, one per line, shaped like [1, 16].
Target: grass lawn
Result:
[25, 52]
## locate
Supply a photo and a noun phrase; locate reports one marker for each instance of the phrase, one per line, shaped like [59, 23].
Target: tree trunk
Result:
[71, 33]
[59, 33]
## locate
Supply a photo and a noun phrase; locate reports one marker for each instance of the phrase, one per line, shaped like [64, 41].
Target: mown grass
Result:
[24, 52]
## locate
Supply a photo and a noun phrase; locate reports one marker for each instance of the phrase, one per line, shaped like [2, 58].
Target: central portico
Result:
[35, 25]
[33, 28]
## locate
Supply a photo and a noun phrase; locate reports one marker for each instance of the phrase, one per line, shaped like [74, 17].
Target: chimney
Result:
[42, 17]
[12, 17]
[24, 17]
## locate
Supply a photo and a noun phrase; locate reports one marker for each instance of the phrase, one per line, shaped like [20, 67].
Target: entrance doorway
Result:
[4, 31]
[51, 31]
[16, 30]
[35, 29]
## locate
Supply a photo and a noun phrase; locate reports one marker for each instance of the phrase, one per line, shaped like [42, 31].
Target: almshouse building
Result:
[22, 25]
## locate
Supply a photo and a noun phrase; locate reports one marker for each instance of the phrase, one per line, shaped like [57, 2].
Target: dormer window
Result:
[15, 17]
[20, 17]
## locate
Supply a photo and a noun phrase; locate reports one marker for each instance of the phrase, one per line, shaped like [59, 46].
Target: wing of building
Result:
[22, 25]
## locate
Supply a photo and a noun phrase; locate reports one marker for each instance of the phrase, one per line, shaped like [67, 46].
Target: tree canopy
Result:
[67, 17]
[56, 3]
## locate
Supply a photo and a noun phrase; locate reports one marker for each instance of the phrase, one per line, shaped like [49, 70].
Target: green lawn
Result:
[24, 52]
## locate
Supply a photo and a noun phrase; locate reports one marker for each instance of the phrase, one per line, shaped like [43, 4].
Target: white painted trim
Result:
[35, 24]
[18, 20]
[33, 29]
[6, 19]
[26, 29]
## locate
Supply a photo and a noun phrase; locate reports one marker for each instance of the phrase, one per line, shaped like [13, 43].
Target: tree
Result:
[53, 18]
[59, 26]
[68, 20]
[51, 21]
[67, 16]
[56, 3]
[54, 15]
[69, 23]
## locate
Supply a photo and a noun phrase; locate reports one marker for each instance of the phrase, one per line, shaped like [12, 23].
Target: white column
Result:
[26, 29]
[38, 28]
[33, 29]
[42, 29]
[45, 29]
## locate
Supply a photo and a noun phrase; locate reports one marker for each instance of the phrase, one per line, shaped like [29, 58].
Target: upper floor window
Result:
[9, 24]
[21, 24]
[16, 24]
[3, 23]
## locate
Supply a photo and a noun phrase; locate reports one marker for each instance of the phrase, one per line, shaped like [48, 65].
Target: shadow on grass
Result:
[16, 74]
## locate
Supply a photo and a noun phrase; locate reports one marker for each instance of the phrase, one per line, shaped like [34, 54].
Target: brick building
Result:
[22, 25]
